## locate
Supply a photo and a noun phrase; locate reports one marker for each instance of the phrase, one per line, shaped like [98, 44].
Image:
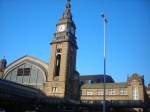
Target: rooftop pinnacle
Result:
[67, 13]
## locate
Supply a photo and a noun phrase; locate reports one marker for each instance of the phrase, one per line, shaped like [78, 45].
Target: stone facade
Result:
[133, 89]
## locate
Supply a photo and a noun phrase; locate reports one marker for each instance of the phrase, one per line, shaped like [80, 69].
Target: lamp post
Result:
[104, 95]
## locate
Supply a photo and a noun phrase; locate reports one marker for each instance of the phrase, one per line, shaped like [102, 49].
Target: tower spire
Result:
[67, 14]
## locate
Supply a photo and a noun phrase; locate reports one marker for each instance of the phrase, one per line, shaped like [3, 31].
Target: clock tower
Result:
[63, 79]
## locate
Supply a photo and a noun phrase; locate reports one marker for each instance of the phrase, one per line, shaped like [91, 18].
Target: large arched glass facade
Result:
[27, 73]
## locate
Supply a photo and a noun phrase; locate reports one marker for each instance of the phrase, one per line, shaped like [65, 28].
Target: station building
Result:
[59, 78]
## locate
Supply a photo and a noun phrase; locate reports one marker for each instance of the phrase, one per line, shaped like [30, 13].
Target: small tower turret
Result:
[3, 64]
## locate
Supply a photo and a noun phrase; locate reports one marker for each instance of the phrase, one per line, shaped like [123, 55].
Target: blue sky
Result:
[27, 27]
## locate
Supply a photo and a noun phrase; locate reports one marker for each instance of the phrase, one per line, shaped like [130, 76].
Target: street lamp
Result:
[105, 22]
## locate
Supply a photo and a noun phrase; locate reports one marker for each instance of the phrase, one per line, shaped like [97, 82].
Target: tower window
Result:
[57, 65]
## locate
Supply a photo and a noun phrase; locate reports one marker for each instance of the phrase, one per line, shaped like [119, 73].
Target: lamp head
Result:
[102, 14]
[104, 17]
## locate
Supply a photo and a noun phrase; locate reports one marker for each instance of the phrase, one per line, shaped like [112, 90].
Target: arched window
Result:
[57, 64]
[135, 93]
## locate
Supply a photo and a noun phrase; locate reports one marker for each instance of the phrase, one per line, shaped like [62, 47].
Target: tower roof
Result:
[68, 34]
[67, 14]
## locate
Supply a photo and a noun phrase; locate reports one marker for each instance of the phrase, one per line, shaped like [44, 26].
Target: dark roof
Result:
[100, 77]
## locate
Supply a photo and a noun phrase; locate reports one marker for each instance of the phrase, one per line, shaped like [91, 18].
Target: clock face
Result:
[61, 28]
